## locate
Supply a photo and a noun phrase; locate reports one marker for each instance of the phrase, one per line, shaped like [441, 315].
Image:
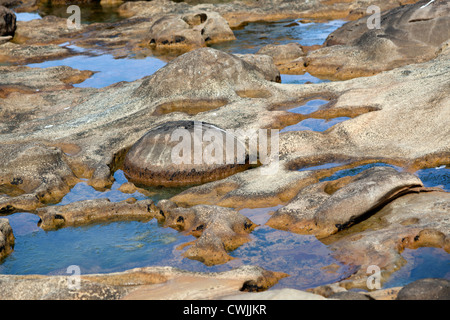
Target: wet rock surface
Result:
[219, 230]
[6, 238]
[53, 137]
[94, 211]
[7, 22]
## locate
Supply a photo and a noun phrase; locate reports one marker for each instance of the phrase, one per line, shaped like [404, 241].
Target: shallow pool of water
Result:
[313, 124]
[256, 35]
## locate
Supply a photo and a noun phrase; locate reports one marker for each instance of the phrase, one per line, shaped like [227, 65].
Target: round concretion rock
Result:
[182, 153]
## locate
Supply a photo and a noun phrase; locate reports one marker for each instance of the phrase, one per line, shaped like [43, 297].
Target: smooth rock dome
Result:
[181, 153]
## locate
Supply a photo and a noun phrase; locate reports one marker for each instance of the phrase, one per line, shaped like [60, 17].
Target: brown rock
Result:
[158, 160]
[6, 238]
[7, 22]
[408, 34]
[92, 211]
[322, 210]
[219, 230]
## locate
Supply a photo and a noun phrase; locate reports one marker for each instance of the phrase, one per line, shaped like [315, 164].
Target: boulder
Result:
[6, 238]
[408, 34]
[33, 168]
[205, 76]
[7, 22]
[180, 153]
[328, 207]
[219, 230]
[426, 289]
[189, 31]
[94, 211]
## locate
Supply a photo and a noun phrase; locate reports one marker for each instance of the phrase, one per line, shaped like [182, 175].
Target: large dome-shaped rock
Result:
[206, 75]
[182, 153]
[408, 34]
[7, 22]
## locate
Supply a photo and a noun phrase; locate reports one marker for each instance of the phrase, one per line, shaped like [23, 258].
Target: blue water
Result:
[108, 70]
[356, 170]
[254, 36]
[27, 16]
[421, 263]
[313, 124]
[435, 177]
[300, 78]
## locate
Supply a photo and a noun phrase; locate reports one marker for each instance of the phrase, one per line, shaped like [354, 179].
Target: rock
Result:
[408, 34]
[349, 295]
[283, 53]
[155, 160]
[193, 76]
[25, 54]
[18, 202]
[426, 289]
[189, 31]
[93, 211]
[36, 169]
[328, 207]
[136, 284]
[7, 22]
[411, 221]
[6, 238]
[263, 62]
[278, 294]
[219, 230]
[30, 80]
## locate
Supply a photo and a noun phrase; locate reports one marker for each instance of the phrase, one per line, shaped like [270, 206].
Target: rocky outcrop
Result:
[7, 22]
[35, 169]
[183, 153]
[24, 79]
[137, 284]
[6, 238]
[328, 207]
[426, 289]
[287, 57]
[94, 211]
[219, 230]
[189, 31]
[411, 221]
[409, 34]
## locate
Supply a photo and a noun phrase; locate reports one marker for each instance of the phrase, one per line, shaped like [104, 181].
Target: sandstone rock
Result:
[30, 80]
[24, 54]
[408, 34]
[411, 221]
[136, 284]
[282, 53]
[156, 158]
[6, 238]
[325, 208]
[35, 169]
[194, 75]
[92, 211]
[349, 295]
[7, 22]
[426, 289]
[280, 294]
[219, 230]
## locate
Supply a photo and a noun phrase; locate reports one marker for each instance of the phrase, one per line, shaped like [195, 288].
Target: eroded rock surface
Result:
[182, 153]
[137, 284]
[219, 230]
[7, 22]
[93, 211]
[409, 34]
[6, 238]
